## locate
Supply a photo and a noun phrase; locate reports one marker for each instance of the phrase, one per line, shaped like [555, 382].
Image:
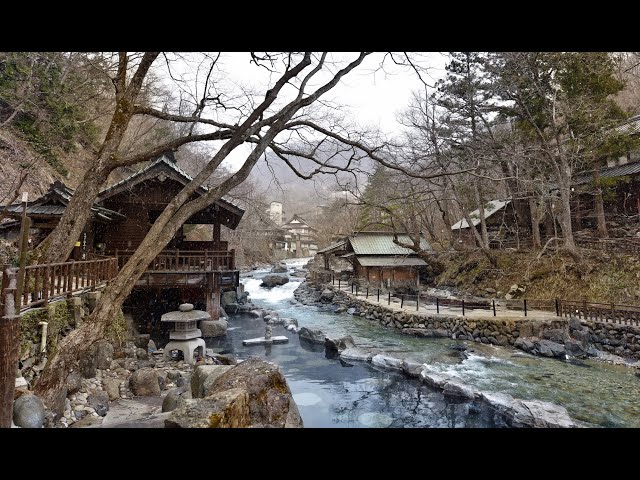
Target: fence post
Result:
[338, 283]
[437, 304]
[494, 307]
[389, 301]
[356, 289]
[378, 295]
[367, 296]
[557, 308]
[352, 287]
[9, 345]
[333, 280]
[418, 303]
[525, 306]
[463, 308]
[402, 301]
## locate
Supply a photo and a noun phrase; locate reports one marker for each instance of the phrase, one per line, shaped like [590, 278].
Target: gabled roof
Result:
[381, 243]
[164, 164]
[489, 209]
[632, 168]
[55, 201]
[296, 222]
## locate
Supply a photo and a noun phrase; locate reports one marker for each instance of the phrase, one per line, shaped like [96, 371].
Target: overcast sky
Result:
[371, 96]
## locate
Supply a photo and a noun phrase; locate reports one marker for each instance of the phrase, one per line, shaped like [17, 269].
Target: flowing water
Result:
[335, 393]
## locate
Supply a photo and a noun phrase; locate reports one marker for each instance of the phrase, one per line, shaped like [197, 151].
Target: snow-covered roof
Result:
[489, 209]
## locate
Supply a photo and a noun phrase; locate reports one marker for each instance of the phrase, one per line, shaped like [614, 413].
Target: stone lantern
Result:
[185, 335]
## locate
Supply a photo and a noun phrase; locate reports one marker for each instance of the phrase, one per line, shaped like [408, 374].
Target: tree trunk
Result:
[535, 223]
[599, 203]
[59, 245]
[483, 223]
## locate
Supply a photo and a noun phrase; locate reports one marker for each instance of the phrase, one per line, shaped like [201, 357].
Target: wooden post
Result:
[418, 303]
[213, 299]
[338, 283]
[24, 243]
[389, 301]
[525, 306]
[494, 307]
[378, 295]
[367, 293]
[437, 304]
[557, 308]
[9, 344]
[463, 308]
[402, 301]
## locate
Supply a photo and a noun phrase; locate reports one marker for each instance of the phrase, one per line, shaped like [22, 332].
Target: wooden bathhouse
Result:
[196, 265]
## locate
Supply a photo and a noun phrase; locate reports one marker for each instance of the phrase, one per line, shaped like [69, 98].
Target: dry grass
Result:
[598, 278]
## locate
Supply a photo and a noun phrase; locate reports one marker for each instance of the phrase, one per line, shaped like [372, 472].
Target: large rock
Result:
[227, 298]
[142, 340]
[435, 379]
[547, 348]
[213, 328]
[274, 280]
[326, 296]
[99, 401]
[144, 383]
[528, 413]
[411, 367]
[280, 268]
[315, 336]
[339, 344]
[28, 412]
[171, 400]
[111, 385]
[387, 361]
[201, 373]
[228, 409]
[104, 354]
[270, 401]
[457, 389]
[355, 353]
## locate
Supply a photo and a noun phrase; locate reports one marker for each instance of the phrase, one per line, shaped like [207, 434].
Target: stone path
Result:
[138, 412]
[430, 308]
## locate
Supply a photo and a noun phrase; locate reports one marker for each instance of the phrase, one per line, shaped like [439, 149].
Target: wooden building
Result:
[196, 265]
[377, 260]
[300, 237]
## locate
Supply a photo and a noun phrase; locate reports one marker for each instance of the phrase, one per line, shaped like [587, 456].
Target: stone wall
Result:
[552, 338]
[61, 317]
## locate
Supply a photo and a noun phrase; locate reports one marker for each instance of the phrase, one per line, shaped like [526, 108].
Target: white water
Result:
[278, 293]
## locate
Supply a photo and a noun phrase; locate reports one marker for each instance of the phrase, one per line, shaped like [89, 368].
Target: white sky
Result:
[371, 97]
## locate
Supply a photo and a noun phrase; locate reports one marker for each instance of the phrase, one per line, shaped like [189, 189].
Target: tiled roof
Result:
[389, 261]
[60, 194]
[381, 243]
[632, 168]
[163, 160]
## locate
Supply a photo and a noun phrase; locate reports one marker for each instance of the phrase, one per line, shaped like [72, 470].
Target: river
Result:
[334, 393]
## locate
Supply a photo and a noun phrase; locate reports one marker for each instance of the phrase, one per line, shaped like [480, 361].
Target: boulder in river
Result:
[270, 281]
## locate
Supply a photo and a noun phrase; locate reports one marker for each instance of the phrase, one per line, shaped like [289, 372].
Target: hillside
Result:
[601, 277]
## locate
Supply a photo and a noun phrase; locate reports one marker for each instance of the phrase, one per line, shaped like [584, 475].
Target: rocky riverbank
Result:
[101, 382]
[557, 338]
[507, 410]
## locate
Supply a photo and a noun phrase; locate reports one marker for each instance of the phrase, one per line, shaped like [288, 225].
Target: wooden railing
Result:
[618, 245]
[185, 260]
[45, 282]
[602, 312]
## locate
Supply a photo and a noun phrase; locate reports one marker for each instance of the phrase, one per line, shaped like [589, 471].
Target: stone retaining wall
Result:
[580, 337]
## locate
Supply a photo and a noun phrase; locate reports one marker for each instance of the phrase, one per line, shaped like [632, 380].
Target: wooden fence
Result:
[45, 282]
[184, 260]
[9, 344]
[601, 312]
